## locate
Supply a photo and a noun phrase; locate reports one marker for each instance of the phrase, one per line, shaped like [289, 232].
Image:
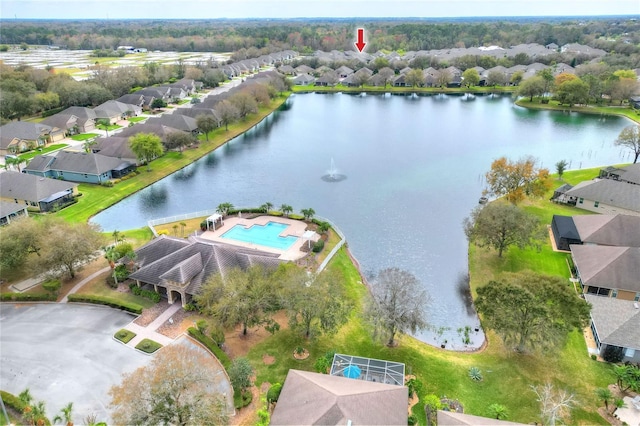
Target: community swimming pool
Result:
[265, 235]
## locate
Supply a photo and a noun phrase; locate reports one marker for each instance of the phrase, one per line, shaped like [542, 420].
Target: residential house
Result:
[157, 129]
[376, 80]
[304, 69]
[303, 80]
[116, 147]
[634, 101]
[150, 94]
[287, 70]
[628, 174]
[616, 322]
[309, 398]
[40, 193]
[176, 121]
[115, 111]
[79, 167]
[132, 99]
[399, 81]
[177, 268]
[176, 93]
[327, 79]
[605, 230]
[66, 122]
[344, 71]
[85, 118]
[10, 211]
[197, 110]
[608, 271]
[21, 136]
[552, 46]
[607, 196]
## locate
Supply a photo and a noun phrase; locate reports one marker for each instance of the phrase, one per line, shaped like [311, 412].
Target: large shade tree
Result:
[530, 311]
[178, 387]
[206, 124]
[516, 180]
[245, 297]
[315, 303]
[501, 225]
[146, 146]
[397, 304]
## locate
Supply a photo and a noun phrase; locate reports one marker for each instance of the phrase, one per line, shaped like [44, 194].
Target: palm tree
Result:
[183, 225]
[267, 207]
[308, 213]
[605, 395]
[286, 209]
[498, 411]
[175, 230]
[14, 161]
[65, 415]
[115, 235]
[224, 208]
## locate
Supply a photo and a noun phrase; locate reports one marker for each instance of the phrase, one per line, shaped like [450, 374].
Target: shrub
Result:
[163, 232]
[122, 273]
[613, 354]
[108, 184]
[202, 326]
[412, 420]
[274, 393]
[415, 386]
[52, 286]
[475, 374]
[154, 296]
[318, 246]
[211, 345]
[296, 216]
[431, 405]
[124, 336]
[594, 357]
[111, 281]
[28, 297]
[323, 364]
[217, 335]
[105, 300]
[242, 399]
[148, 346]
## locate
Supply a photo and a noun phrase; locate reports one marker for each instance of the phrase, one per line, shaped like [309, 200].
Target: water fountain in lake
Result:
[332, 174]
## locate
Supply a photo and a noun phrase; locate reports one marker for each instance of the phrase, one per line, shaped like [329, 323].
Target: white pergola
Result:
[308, 235]
[213, 219]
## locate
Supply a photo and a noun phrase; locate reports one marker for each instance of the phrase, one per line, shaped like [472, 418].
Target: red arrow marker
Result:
[360, 44]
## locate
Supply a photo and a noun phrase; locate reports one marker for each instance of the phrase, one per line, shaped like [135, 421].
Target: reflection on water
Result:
[186, 173]
[414, 173]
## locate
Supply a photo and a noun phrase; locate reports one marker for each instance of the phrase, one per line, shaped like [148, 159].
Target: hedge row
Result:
[109, 301]
[28, 297]
[211, 345]
[10, 400]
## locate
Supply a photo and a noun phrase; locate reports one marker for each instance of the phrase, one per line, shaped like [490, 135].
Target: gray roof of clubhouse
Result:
[76, 162]
[193, 261]
[29, 187]
[608, 267]
[320, 399]
[609, 230]
[617, 321]
[607, 191]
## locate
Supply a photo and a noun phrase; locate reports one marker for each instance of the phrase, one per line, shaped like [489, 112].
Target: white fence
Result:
[187, 216]
[336, 248]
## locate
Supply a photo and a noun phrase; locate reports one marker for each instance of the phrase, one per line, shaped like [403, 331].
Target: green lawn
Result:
[407, 90]
[507, 376]
[624, 111]
[84, 136]
[136, 119]
[109, 127]
[55, 147]
[97, 198]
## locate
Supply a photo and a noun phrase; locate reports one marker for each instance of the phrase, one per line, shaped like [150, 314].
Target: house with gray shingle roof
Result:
[115, 110]
[85, 118]
[21, 136]
[36, 192]
[10, 211]
[629, 174]
[309, 398]
[616, 322]
[303, 80]
[176, 121]
[606, 196]
[157, 129]
[116, 147]
[177, 268]
[66, 122]
[79, 167]
[604, 230]
[197, 110]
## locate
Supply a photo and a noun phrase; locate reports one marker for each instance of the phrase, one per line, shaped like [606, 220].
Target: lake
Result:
[414, 169]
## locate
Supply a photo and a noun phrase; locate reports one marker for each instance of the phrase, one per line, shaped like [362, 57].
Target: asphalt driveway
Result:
[65, 353]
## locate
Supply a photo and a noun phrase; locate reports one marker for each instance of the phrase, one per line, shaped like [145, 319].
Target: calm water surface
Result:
[413, 167]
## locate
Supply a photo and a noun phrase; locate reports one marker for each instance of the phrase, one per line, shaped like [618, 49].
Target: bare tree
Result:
[630, 138]
[555, 404]
[228, 113]
[386, 74]
[397, 305]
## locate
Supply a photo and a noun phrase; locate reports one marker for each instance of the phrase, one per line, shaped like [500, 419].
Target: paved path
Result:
[149, 332]
[77, 287]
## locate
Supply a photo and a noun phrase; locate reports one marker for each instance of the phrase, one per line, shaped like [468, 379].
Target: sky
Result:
[214, 9]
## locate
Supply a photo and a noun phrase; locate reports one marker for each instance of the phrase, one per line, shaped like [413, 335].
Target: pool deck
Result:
[296, 229]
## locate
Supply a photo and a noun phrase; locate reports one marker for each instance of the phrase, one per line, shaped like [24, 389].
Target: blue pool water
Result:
[265, 235]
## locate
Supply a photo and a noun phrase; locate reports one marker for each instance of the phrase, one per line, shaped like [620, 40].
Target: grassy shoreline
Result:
[97, 198]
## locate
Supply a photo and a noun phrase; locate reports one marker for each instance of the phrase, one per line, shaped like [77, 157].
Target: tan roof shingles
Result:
[320, 399]
[608, 267]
